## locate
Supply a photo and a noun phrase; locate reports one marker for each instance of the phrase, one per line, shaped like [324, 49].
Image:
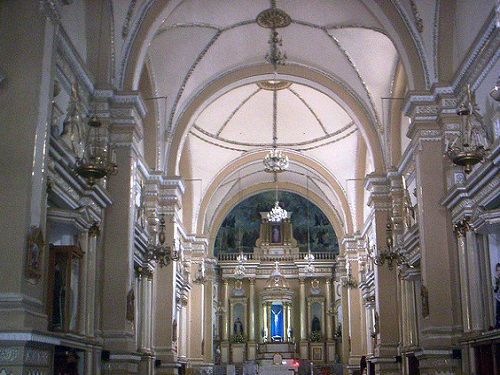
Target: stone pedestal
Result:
[237, 353]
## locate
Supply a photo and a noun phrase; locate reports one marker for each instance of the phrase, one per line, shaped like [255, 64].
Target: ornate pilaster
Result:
[119, 322]
[170, 191]
[387, 332]
[441, 323]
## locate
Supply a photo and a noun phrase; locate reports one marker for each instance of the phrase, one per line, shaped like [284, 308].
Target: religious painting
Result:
[34, 253]
[241, 227]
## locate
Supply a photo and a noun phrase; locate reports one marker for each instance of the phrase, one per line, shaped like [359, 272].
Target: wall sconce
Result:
[390, 255]
[162, 254]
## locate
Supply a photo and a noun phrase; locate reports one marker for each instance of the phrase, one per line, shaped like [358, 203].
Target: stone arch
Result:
[345, 222]
[337, 224]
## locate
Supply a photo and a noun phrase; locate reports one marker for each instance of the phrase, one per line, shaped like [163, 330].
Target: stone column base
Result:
[331, 351]
[147, 364]
[224, 352]
[432, 362]
[386, 366]
[304, 350]
[167, 368]
[251, 351]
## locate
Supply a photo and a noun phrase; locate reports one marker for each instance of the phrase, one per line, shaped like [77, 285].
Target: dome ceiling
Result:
[243, 118]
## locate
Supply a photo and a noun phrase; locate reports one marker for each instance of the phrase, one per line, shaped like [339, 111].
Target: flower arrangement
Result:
[238, 339]
[315, 336]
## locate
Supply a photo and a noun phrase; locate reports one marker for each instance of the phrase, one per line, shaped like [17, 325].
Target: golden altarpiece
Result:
[277, 311]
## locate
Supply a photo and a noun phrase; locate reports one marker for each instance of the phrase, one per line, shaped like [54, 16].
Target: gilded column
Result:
[329, 330]
[304, 344]
[251, 320]
[302, 298]
[225, 324]
[251, 346]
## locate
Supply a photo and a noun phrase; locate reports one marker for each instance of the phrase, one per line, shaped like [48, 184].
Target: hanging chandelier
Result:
[158, 252]
[276, 160]
[471, 146]
[309, 269]
[98, 159]
[277, 214]
[240, 270]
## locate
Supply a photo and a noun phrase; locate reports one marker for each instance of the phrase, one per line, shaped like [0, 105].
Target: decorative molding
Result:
[36, 357]
[9, 354]
[419, 23]
[128, 18]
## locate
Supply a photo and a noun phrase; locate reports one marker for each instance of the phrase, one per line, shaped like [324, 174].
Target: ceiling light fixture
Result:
[471, 146]
[277, 214]
[276, 160]
[309, 269]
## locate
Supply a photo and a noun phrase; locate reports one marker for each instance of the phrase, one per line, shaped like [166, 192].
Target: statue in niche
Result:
[73, 126]
[276, 234]
[315, 324]
[238, 327]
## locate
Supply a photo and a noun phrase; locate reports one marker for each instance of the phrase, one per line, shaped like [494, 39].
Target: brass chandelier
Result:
[471, 146]
[276, 160]
[240, 269]
[390, 255]
[158, 251]
[98, 159]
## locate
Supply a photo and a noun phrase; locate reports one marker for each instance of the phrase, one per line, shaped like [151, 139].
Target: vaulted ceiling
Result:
[207, 59]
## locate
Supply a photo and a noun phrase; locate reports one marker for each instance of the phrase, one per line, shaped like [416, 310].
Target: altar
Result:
[277, 307]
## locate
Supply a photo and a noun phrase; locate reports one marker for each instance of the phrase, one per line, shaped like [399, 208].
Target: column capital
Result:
[379, 189]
